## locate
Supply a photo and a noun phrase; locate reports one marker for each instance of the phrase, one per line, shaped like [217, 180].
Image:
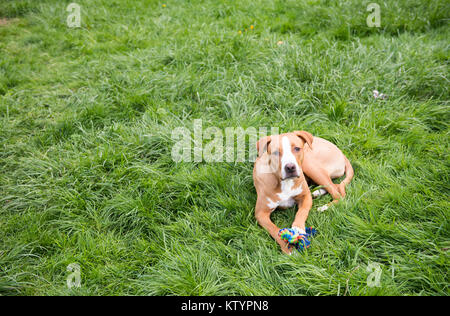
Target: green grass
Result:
[87, 177]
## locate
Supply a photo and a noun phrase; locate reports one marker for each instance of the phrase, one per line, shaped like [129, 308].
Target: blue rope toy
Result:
[295, 239]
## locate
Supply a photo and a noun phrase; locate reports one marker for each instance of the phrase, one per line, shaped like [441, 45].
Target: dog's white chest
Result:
[286, 203]
[286, 196]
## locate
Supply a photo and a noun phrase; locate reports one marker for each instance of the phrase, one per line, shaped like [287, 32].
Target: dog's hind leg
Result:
[321, 178]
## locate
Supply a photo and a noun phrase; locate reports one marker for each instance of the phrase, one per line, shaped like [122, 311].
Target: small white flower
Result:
[378, 95]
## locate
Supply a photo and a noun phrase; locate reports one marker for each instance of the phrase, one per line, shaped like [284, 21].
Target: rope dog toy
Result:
[295, 238]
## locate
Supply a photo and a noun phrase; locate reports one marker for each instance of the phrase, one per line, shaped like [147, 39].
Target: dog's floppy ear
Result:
[307, 137]
[262, 144]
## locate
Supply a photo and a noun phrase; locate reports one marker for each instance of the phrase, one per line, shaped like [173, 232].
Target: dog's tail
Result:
[348, 177]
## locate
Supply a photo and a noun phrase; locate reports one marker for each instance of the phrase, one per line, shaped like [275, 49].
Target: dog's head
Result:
[285, 152]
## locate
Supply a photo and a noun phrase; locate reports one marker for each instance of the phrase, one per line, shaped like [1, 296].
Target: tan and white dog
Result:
[279, 176]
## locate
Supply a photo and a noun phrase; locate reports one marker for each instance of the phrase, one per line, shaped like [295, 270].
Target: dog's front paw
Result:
[286, 247]
[322, 208]
[294, 238]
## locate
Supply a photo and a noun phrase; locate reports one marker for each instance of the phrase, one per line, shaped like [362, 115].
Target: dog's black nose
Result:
[289, 167]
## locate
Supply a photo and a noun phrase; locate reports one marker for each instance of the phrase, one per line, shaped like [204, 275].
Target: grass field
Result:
[87, 176]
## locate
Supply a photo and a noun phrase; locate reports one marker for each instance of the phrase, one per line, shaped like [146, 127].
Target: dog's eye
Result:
[297, 149]
[276, 153]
